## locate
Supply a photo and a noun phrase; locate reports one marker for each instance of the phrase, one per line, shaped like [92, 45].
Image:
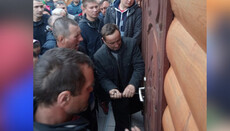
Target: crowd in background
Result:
[102, 34]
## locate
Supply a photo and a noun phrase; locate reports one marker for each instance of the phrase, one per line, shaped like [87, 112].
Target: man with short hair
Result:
[62, 5]
[63, 80]
[50, 40]
[104, 4]
[67, 33]
[91, 26]
[39, 22]
[120, 69]
[59, 11]
[74, 8]
[127, 15]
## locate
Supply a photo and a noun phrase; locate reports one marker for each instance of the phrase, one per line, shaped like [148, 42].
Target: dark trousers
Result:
[121, 114]
[123, 109]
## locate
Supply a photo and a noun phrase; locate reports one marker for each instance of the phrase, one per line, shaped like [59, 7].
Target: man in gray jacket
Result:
[119, 70]
[126, 14]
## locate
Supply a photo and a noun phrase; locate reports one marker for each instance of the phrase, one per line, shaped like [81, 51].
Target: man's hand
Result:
[129, 91]
[115, 94]
[133, 129]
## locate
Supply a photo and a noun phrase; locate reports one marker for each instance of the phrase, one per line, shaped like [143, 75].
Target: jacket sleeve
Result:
[109, 15]
[138, 67]
[138, 26]
[101, 76]
[83, 44]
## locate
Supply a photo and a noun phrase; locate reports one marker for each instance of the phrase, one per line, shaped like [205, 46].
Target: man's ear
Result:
[103, 40]
[61, 41]
[63, 98]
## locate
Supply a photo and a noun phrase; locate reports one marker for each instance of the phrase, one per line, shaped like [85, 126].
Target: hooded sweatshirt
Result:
[128, 21]
[74, 9]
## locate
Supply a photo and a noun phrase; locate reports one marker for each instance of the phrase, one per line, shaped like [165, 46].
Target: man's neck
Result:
[48, 115]
[36, 19]
[121, 7]
[90, 19]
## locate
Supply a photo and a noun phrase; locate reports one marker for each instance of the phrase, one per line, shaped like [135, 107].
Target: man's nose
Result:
[80, 38]
[95, 9]
[40, 8]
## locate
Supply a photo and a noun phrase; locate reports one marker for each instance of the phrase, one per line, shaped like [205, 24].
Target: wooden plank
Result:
[192, 15]
[179, 109]
[189, 64]
[167, 121]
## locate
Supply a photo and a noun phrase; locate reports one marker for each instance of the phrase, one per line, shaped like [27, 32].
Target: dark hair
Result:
[59, 3]
[108, 29]
[84, 2]
[61, 26]
[102, 1]
[58, 70]
[36, 44]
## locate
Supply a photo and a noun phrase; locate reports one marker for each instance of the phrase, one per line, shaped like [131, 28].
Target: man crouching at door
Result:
[120, 69]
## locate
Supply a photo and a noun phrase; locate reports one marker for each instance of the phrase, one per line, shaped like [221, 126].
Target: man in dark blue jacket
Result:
[126, 14]
[91, 26]
[63, 80]
[119, 69]
[39, 22]
[50, 39]
[74, 8]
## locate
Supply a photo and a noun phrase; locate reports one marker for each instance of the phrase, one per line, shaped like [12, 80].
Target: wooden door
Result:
[156, 18]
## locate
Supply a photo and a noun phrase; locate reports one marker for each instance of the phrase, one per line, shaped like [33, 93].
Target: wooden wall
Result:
[185, 82]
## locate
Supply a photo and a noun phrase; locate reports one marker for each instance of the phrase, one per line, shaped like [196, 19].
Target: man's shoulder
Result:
[101, 51]
[129, 41]
[80, 124]
[45, 18]
[83, 24]
[110, 8]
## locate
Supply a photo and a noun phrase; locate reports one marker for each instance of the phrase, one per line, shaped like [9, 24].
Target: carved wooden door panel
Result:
[156, 18]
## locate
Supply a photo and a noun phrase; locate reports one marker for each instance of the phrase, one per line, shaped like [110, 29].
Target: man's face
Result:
[38, 9]
[37, 50]
[81, 100]
[127, 3]
[62, 7]
[73, 39]
[113, 41]
[104, 6]
[92, 10]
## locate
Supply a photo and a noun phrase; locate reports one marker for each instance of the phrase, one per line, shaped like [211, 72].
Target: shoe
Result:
[105, 107]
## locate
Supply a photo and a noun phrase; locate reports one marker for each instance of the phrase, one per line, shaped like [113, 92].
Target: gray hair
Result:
[61, 26]
[52, 19]
[58, 11]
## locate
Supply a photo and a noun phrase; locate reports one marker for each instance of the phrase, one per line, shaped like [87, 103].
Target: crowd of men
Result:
[86, 54]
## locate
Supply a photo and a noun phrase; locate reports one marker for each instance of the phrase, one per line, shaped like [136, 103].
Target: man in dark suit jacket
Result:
[119, 69]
